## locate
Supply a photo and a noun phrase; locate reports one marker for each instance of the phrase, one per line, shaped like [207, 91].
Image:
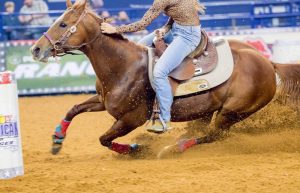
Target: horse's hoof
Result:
[56, 147]
[168, 151]
[139, 151]
[135, 149]
[179, 147]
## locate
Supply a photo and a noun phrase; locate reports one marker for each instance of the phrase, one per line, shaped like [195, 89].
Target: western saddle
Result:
[201, 61]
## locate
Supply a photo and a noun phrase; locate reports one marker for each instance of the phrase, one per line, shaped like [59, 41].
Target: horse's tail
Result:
[289, 84]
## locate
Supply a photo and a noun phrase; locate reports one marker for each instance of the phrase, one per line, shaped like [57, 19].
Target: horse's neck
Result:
[112, 59]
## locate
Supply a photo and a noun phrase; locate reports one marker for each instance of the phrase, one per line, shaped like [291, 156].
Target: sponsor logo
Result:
[8, 132]
[53, 70]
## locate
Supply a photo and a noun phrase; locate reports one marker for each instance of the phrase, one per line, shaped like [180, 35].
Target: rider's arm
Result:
[154, 11]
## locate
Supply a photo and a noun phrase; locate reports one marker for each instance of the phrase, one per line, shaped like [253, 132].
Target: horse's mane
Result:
[98, 18]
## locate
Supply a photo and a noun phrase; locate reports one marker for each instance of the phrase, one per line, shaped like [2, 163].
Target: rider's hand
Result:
[160, 33]
[108, 28]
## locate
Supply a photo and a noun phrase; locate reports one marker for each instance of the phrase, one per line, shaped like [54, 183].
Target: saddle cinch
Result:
[210, 65]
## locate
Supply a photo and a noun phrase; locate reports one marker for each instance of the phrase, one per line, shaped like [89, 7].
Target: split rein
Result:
[59, 45]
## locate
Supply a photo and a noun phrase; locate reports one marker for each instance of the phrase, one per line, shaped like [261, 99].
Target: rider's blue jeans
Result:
[182, 41]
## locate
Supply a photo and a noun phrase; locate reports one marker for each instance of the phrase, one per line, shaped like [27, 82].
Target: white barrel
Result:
[11, 159]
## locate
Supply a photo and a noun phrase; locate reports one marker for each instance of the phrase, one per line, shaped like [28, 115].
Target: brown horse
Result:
[124, 90]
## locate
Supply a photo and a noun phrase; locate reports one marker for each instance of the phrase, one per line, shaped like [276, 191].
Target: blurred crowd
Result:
[32, 13]
[33, 17]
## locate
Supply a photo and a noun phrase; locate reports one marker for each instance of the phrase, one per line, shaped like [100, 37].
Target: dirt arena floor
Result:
[261, 154]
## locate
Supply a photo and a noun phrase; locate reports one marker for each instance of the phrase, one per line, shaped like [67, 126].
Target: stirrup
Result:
[159, 126]
[155, 117]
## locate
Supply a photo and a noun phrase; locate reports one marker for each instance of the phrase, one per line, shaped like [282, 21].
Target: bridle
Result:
[59, 45]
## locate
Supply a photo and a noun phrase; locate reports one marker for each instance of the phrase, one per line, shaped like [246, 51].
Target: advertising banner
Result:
[66, 74]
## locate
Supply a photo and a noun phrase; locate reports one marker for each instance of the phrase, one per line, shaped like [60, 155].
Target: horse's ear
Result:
[80, 5]
[69, 4]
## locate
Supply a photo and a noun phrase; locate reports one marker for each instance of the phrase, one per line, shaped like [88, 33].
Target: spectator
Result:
[96, 4]
[123, 17]
[105, 14]
[35, 13]
[10, 20]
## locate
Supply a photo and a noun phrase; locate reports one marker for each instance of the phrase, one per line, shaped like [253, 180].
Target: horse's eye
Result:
[62, 24]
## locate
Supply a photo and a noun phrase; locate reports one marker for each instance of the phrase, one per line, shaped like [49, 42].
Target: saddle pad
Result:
[219, 75]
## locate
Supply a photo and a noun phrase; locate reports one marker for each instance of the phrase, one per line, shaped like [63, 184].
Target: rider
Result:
[182, 32]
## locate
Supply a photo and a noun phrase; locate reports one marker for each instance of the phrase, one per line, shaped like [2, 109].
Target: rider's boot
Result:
[159, 126]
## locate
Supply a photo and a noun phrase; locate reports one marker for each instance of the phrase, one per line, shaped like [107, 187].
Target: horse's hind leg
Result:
[224, 120]
[93, 104]
[201, 124]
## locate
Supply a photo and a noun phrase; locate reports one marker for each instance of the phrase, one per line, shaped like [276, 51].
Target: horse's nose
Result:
[36, 51]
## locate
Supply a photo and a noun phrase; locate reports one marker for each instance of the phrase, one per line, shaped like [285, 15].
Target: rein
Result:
[59, 45]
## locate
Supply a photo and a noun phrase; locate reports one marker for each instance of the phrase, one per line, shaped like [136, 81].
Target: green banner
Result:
[69, 74]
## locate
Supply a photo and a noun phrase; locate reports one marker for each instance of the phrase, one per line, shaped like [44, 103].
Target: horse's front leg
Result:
[93, 104]
[121, 127]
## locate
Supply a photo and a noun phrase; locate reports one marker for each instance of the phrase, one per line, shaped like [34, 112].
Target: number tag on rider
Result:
[73, 29]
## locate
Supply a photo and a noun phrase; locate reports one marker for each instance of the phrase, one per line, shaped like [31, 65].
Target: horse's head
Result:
[72, 30]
